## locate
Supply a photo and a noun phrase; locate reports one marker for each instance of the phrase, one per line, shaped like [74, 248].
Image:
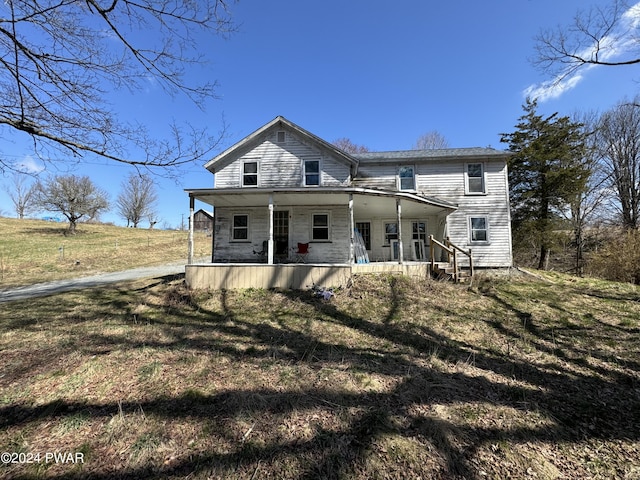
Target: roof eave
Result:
[326, 190]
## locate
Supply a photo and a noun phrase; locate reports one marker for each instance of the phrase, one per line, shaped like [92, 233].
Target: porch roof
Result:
[364, 198]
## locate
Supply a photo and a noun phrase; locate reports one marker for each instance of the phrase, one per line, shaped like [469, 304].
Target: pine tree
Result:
[546, 172]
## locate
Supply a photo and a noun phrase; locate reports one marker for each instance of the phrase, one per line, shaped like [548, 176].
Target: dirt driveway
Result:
[59, 286]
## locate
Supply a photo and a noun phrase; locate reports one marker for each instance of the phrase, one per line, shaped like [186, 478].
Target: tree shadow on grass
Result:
[574, 406]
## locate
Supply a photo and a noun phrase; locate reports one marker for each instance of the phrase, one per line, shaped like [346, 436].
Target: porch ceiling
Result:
[365, 201]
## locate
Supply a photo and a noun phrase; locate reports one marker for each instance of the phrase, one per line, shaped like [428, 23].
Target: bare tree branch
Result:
[605, 36]
[60, 58]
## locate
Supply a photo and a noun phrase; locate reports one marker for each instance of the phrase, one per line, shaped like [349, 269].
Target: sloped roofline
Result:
[418, 198]
[468, 153]
[280, 120]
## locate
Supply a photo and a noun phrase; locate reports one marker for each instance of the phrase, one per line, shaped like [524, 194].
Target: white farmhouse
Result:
[290, 209]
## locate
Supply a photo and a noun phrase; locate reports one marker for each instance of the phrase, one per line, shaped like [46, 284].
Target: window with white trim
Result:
[390, 232]
[478, 229]
[312, 172]
[240, 227]
[320, 227]
[406, 178]
[475, 178]
[250, 174]
[419, 231]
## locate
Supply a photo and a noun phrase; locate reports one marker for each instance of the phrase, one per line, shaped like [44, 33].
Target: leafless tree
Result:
[619, 147]
[22, 194]
[586, 204]
[346, 145]
[59, 59]
[137, 199]
[74, 197]
[153, 220]
[599, 36]
[432, 140]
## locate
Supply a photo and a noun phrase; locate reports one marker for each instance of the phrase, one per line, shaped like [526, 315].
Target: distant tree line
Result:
[77, 198]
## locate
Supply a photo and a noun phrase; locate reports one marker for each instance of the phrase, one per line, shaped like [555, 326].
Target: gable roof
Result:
[278, 123]
[207, 214]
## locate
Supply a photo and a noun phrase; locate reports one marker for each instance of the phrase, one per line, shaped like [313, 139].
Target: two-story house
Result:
[282, 189]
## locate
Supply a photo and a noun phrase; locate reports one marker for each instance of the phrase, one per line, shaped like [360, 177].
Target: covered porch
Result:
[347, 230]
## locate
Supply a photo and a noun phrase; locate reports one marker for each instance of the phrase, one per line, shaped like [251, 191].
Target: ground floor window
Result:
[390, 232]
[419, 231]
[240, 228]
[418, 240]
[365, 230]
[479, 229]
[320, 226]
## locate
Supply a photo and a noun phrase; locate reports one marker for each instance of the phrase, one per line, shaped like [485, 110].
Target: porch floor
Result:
[297, 276]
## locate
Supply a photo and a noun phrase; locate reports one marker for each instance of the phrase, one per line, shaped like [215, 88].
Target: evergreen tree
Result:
[546, 172]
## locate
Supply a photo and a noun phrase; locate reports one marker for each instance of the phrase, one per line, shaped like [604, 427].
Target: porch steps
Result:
[444, 271]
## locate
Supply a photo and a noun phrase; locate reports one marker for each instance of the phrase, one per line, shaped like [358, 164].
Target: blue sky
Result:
[379, 75]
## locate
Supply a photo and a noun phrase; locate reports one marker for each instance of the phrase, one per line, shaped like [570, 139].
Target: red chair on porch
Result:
[301, 253]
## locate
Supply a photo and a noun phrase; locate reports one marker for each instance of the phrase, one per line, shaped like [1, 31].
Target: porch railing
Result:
[452, 251]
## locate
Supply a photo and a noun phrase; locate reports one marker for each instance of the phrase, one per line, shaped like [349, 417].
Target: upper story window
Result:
[281, 136]
[475, 178]
[250, 174]
[406, 178]
[311, 172]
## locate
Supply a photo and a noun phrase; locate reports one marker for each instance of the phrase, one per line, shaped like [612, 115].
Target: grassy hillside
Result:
[35, 251]
[392, 378]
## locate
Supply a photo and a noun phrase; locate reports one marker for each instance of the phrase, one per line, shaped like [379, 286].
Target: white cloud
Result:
[617, 43]
[632, 16]
[552, 88]
[30, 165]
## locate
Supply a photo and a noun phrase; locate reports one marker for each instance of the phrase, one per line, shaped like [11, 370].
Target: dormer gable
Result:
[280, 131]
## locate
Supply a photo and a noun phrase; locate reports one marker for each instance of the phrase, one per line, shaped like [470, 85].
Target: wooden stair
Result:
[452, 270]
[444, 271]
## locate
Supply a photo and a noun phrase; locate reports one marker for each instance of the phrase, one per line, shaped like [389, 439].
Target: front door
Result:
[281, 233]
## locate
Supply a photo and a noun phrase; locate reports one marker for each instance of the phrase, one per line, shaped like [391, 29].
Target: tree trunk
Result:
[545, 253]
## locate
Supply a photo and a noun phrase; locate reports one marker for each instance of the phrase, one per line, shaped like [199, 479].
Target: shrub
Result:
[619, 259]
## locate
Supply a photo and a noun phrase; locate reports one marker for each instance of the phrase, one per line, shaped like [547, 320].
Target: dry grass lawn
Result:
[392, 378]
[37, 251]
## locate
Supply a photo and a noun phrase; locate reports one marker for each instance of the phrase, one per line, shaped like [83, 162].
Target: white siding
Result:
[336, 250]
[376, 176]
[446, 181]
[280, 165]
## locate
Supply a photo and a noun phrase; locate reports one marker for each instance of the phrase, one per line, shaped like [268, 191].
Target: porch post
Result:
[213, 233]
[351, 228]
[270, 248]
[192, 203]
[399, 213]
